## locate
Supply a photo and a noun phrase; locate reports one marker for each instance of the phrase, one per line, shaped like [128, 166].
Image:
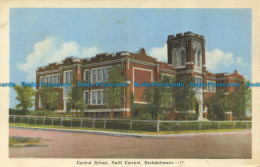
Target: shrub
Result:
[17, 112]
[43, 113]
[142, 114]
[124, 125]
[181, 116]
[144, 126]
[249, 118]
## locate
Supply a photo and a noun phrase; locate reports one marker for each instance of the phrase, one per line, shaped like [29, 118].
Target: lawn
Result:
[124, 131]
[127, 125]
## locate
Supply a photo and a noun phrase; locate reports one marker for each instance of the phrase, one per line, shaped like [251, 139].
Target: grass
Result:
[125, 131]
[24, 142]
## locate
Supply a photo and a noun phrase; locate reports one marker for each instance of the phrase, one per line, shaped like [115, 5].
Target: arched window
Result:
[195, 57]
[183, 57]
[199, 58]
[174, 58]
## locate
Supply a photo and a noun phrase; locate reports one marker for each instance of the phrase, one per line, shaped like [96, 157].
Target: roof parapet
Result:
[186, 34]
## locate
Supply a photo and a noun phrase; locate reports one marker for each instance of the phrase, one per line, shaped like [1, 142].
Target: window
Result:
[103, 114]
[179, 57]
[41, 79]
[117, 114]
[86, 75]
[106, 74]
[97, 97]
[52, 79]
[86, 96]
[195, 57]
[198, 80]
[71, 76]
[94, 96]
[68, 76]
[94, 75]
[99, 94]
[166, 77]
[47, 79]
[98, 115]
[198, 56]
[174, 58]
[100, 75]
[40, 102]
[211, 88]
[183, 57]
[57, 79]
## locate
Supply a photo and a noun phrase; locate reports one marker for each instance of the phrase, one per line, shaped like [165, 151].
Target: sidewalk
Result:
[122, 134]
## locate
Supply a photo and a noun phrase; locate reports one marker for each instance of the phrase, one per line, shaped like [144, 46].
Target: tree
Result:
[217, 106]
[76, 98]
[154, 97]
[185, 99]
[49, 98]
[239, 99]
[25, 97]
[114, 95]
[159, 98]
[170, 98]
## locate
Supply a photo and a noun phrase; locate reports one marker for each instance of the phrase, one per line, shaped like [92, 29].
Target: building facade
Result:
[186, 58]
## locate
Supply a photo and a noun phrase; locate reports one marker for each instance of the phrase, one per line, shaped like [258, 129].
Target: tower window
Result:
[174, 58]
[199, 55]
[183, 57]
[195, 57]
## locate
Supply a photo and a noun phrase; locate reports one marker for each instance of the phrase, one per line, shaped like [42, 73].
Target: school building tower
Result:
[186, 58]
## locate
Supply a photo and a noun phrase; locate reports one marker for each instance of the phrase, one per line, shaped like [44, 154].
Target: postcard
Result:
[140, 83]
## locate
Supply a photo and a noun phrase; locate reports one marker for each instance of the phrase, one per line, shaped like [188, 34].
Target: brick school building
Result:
[186, 58]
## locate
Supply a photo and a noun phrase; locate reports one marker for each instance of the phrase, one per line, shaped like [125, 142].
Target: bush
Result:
[144, 116]
[142, 113]
[17, 112]
[123, 125]
[192, 116]
[181, 116]
[243, 118]
[43, 113]
[66, 122]
[144, 126]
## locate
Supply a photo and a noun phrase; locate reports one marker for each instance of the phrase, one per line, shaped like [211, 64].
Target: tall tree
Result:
[154, 97]
[159, 98]
[49, 98]
[76, 98]
[217, 106]
[25, 97]
[239, 99]
[185, 99]
[114, 95]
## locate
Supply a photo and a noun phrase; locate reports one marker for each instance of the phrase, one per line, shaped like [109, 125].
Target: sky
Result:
[40, 36]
